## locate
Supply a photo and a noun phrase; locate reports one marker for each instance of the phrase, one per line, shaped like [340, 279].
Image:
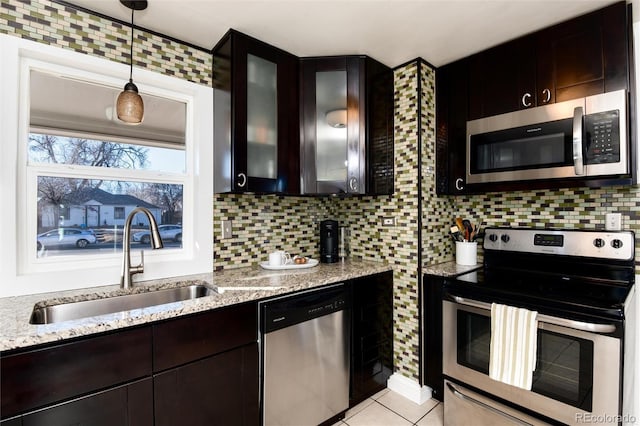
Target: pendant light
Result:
[129, 106]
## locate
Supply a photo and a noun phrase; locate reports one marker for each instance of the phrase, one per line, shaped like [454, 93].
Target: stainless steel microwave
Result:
[584, 137]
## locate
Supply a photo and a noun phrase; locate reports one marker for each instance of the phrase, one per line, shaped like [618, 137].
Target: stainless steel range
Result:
[580, 283]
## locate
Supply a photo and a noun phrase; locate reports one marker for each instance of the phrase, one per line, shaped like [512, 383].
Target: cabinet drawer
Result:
[187, 339]
[125, 405]
[43, 376]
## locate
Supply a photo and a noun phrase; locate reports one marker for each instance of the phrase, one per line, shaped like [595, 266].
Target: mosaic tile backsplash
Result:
[263, 223]
[64, 26]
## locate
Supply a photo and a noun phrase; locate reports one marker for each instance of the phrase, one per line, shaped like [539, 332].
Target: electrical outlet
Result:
[388, 221]
[613, 222]
[227, 229]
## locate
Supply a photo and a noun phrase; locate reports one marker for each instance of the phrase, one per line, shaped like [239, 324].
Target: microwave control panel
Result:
[602, 131]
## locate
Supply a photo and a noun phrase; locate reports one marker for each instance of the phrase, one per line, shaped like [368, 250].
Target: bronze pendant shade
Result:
[129, 106]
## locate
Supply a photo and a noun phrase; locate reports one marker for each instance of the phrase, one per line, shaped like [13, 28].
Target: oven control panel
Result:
[618, 245]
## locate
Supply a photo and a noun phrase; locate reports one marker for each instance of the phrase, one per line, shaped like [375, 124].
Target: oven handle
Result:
[488, 407]
[563, 322]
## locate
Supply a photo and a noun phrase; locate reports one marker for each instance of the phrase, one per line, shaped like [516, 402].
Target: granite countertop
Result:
[449, 269]
[232, 286]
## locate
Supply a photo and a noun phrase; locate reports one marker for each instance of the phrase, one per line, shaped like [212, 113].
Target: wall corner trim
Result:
[409, 388]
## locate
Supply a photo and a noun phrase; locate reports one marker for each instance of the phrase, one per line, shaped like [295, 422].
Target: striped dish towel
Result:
[514, 338]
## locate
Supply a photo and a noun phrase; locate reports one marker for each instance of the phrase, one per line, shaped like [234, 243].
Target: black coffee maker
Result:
[329, 241]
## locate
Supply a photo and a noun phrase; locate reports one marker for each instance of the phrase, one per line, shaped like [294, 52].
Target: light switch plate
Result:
[227, 229]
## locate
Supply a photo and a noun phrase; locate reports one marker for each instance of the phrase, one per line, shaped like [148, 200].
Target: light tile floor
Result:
[387, 408]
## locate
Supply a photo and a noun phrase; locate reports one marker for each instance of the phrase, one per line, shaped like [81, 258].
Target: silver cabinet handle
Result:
[487, 407]
[244, 180]
[578, 161]
[563, 322]
[353, 184]
[526, 100]
[547, 96]
[459, 186]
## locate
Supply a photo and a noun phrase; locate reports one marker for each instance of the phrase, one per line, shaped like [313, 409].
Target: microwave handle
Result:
[578, 159]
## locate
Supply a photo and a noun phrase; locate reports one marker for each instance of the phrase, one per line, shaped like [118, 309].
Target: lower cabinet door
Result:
[372, 334]
[218, 390]
[130, 404]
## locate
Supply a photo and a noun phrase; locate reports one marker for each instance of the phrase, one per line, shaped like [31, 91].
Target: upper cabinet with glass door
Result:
[256, 146]
[347, 126]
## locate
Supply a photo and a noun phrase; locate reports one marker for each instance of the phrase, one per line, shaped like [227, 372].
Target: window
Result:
[75, 172]
[118, 213]
[64, 138]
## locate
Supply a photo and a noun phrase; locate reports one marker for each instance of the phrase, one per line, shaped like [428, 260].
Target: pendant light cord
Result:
[131, 51]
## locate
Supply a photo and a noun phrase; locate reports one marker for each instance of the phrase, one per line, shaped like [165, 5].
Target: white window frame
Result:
[21, 272]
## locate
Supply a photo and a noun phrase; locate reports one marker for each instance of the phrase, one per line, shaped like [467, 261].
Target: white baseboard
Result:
[409, 388]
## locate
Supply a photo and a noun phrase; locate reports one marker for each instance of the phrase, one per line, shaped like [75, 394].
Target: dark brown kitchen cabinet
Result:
[451, 127]
[38, 378]
[432, 334]
[581, 57]
[346, 126]
[584, 56]
[256, 127]
[221, 389]
[186, 339]
[129, 404]
[372, 334]
[196, 369]
[502, 79]
[206, 368]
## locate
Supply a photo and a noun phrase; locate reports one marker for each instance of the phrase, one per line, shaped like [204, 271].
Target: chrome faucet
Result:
[129, 271]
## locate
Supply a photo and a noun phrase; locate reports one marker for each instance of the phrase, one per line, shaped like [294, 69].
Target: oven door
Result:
[577, 375]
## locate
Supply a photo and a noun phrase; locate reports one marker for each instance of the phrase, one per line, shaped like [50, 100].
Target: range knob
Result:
[598, 242]
[616, 244]
[504, 238]
[493, 238]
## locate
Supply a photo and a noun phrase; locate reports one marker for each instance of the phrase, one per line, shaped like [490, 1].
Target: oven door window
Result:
[530, 147]
[564, 368]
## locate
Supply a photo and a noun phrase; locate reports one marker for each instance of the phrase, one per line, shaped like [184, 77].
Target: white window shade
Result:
[65, 103]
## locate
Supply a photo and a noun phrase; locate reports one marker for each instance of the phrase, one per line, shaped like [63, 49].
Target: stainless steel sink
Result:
[108, 305]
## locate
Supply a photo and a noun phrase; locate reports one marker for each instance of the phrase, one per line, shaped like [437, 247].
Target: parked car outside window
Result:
[66, 236]
[167, 232]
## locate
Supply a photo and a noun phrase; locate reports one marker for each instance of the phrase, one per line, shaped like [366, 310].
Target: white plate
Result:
[310, 264]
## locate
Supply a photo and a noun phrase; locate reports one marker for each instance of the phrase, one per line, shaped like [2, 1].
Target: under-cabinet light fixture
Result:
[337, 118]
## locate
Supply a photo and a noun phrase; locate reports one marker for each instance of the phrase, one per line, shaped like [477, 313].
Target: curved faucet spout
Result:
[129, 271]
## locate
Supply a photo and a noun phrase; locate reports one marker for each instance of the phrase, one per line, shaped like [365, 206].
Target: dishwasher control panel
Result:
[299, 307]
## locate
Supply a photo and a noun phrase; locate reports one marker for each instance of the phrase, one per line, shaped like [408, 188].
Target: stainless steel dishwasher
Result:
[304, 344]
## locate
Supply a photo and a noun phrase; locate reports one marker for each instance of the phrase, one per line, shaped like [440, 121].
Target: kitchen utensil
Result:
[455, 233]
[468, 229]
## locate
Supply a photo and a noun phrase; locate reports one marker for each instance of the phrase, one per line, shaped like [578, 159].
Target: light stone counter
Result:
[449, 269]
[233, 286]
